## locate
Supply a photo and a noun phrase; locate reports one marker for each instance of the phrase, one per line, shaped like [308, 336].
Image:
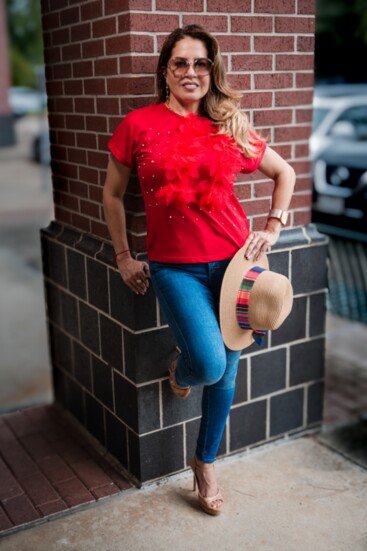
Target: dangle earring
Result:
[168, 91]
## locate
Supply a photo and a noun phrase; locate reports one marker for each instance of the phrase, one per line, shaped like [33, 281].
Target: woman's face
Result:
[189, 89]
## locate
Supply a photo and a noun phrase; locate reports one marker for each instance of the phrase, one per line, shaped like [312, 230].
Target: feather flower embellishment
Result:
[200, 165]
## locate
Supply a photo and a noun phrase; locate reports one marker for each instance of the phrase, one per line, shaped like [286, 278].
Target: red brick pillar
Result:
[7, 136]
[111, 349]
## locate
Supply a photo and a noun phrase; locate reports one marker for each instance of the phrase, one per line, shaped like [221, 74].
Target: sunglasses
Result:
[179, 66]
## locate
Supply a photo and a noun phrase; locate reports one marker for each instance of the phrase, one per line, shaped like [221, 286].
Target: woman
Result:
[187, 149]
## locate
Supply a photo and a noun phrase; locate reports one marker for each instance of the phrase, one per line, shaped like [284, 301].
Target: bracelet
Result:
[118, 254]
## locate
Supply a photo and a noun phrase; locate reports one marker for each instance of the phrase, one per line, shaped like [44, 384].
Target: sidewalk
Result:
[25, 206]
[295, 496]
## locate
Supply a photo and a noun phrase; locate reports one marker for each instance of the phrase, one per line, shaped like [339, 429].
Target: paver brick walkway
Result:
[46, 468]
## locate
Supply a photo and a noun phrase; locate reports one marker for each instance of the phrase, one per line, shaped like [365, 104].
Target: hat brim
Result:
[233, 336]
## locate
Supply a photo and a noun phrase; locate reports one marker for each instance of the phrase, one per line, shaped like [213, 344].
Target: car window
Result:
[357, 117]
[319, 113]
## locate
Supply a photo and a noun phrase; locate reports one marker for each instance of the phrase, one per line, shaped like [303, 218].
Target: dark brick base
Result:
[111, 350]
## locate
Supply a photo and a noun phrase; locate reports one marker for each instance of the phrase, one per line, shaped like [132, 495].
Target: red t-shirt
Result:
[186, 170]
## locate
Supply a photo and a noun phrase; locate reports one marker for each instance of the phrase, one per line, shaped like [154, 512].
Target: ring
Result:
[138, 281]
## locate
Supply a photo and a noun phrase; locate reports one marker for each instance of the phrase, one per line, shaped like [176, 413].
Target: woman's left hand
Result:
[260, 242]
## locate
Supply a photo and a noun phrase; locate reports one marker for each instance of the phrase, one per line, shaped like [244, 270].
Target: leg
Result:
[189, 298]
[216, 403]
[218, 397]
[188, 304]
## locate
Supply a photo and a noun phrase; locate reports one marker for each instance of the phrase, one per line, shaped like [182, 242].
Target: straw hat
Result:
[253, 300]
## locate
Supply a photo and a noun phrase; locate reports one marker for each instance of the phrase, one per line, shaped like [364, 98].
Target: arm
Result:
[133, 272]
[284, 178]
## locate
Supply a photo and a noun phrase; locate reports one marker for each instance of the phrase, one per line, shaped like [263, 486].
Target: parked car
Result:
[41, 146]
[24, 100]
[340, 89]
[338, 148]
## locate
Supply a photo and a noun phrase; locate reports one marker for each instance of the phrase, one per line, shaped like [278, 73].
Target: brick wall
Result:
[7, 136]
[100, 61]
[111, 349]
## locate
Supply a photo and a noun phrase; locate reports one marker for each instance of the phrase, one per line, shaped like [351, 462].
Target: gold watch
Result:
[280, 214]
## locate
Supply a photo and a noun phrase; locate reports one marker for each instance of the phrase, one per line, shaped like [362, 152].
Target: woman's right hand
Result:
[135, 274]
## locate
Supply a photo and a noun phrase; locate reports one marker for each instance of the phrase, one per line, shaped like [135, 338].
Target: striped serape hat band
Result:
[243, 302]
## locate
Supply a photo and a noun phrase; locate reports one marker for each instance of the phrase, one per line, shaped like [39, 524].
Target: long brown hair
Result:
[221, 103]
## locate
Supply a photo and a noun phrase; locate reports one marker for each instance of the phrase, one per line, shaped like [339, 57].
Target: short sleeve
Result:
[123, 142]
[253, 163]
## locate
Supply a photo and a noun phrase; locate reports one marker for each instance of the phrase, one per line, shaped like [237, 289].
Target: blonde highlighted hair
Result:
[221, 103]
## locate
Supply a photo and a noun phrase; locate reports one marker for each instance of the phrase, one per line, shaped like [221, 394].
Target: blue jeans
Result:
[189, 297]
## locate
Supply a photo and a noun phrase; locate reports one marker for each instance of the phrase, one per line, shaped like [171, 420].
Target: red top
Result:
[186, 170]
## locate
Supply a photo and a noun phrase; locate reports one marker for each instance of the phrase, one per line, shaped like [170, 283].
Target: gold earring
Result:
[168, 91]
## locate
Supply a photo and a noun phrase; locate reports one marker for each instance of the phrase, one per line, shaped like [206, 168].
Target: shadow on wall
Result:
[26, 205]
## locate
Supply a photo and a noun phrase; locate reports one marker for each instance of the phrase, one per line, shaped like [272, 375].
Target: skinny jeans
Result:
[189, 297]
